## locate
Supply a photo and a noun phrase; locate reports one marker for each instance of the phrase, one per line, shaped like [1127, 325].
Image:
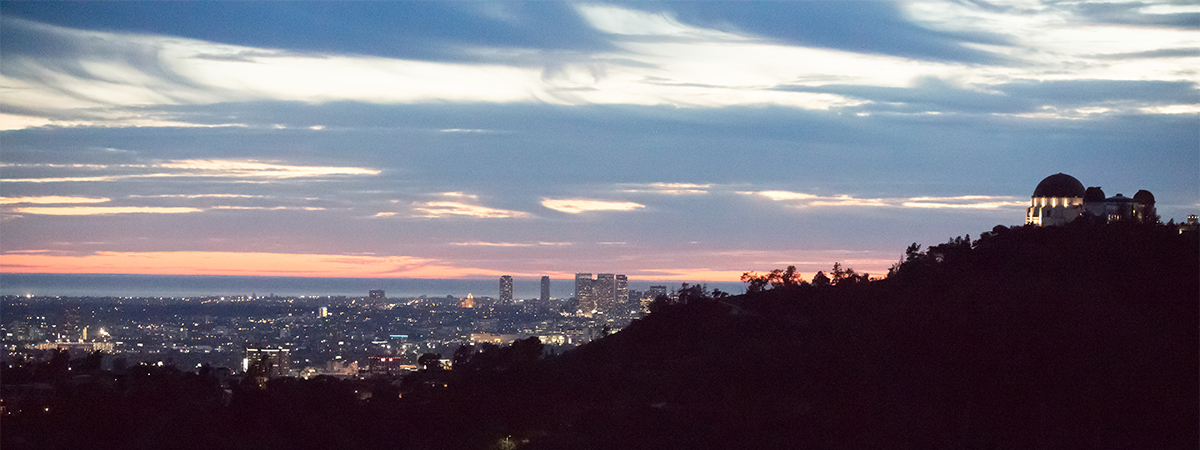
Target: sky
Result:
[687, 141]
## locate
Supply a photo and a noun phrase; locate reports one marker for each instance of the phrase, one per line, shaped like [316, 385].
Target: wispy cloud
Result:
[805, 200]
[655, 58]
[632, 22]
[490, 244]
[258, 169]
[102, 210]
[457, 194]
[247, 169]
[576, 206]
[444, 209]
[272, 208]
[509, 244]
[198, 196]
[670, 188]
[465, 130]
[1066, 41]
[45, 200]
[782, 195]
[964, 201]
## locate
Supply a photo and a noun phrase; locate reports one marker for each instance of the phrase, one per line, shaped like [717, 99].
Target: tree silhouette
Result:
[776, 279]
[820, 280]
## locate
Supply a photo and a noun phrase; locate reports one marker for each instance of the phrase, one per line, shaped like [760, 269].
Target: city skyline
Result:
[672, 141]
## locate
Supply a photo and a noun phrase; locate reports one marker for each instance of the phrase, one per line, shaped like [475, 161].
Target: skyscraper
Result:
[271, 361]
[506, 289]
[545, 291]
[606, 291]
[584, 292]
[650, 295]
[376, 294]
[622, 290]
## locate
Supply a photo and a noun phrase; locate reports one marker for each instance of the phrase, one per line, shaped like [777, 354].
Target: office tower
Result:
[605, 291]
[622, 290]
[656, 291]
[650, 295]
[545, 291]
[506, 286]
[324, 311]
[584, 292]
[269, 362]
[376, 294]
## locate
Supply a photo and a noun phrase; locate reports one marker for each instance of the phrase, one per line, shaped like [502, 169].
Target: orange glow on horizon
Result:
[692, 275]
[296, 265]
[239, 263]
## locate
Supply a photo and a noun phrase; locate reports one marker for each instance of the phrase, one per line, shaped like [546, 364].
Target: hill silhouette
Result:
[1076, 336]
[1082, 336]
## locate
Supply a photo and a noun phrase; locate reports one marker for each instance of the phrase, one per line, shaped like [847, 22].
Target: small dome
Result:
[1094, 194]
[1059, 185]
[1144, 197]
[1118, 199]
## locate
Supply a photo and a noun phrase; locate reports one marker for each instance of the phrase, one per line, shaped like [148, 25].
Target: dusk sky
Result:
[688, 141]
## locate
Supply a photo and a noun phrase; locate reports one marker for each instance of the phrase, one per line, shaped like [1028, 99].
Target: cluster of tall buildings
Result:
[600, 294]
[506, 289]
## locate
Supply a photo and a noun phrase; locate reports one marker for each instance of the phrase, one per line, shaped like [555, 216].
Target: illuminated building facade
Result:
[1057, 200]
[584, 292]
[269, 362]
[606, 291]
[1060, 199]
[76, 347]
[602, 293]
[506, 289]
[650, 295]
[622, 288]
[1191, 226]
[387, 365]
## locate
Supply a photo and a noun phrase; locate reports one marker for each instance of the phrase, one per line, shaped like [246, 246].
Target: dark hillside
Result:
[1082, 336]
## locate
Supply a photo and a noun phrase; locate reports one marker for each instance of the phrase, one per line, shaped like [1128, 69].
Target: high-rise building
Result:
[268, 362]
[585, 292]
[506, 289]
[650, 295]
[545, 290]
[656, 291]
[622, 290]
[602, 293]
[376, 294]
[606, 291]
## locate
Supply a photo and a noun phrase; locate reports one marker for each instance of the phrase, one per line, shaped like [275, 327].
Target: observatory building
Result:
[1060, 199]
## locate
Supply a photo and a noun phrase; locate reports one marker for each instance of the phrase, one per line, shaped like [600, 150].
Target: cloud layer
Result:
[677, 140]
